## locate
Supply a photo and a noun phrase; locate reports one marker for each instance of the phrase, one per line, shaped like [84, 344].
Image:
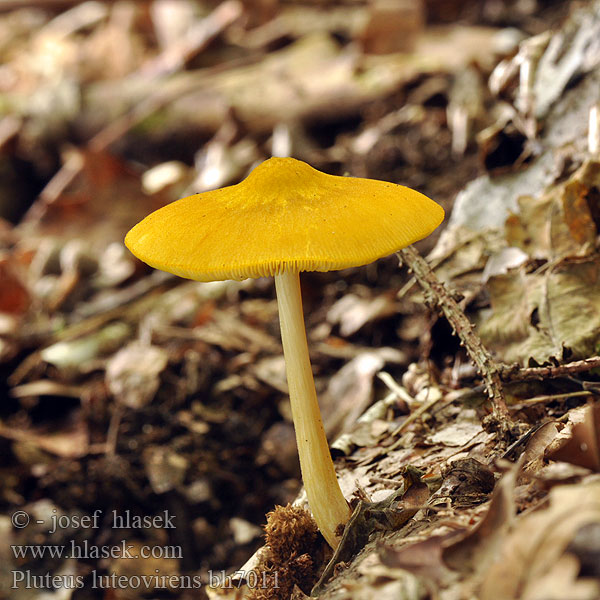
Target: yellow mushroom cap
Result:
[284, 215]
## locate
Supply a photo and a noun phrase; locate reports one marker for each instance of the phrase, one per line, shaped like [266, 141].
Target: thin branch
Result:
[550, 398]
[437, 294]
[513, 374]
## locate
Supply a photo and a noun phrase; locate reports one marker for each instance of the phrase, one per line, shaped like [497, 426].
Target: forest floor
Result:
[129, 391]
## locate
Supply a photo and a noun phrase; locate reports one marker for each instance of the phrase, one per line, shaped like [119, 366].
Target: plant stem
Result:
[325, 497]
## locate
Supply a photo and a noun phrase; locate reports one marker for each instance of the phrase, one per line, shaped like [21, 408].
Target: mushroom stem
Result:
[325, 497]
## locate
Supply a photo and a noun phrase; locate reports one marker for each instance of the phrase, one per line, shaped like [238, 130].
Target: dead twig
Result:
[438, 295]
[514, 374]
[550, 398]
[411, 418]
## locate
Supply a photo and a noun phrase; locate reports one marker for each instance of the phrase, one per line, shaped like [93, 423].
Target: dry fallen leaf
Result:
[350, 391]
[75, 354]
[478, 549]
[539, 316]
[583, 447]
[14, 296]
[533, 552]
[165, 468]
[352, 312]
[560, 222]
[392, 26]
[540, 440]
[423, 558]
[133, 373]
[458, 433]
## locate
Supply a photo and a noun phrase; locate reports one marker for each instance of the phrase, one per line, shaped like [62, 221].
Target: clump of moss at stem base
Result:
[290, 554]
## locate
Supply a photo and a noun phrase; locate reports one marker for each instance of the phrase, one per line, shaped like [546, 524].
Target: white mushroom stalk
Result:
[325, 497]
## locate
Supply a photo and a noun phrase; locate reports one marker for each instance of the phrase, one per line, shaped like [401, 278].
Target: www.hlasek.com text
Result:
[88, 551]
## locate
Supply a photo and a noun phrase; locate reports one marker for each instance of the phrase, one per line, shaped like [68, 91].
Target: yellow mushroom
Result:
[287, 217]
